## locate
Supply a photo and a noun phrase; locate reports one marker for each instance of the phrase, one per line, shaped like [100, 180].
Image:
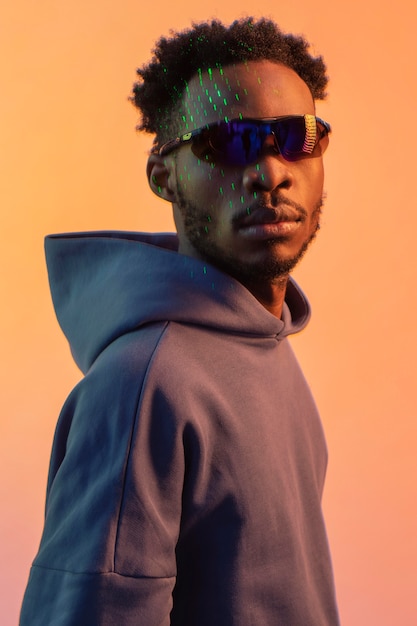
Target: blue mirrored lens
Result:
[240, 142]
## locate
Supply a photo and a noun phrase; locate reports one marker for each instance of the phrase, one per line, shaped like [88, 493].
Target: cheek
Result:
[212, 187]
[311, 181]
[195, 178]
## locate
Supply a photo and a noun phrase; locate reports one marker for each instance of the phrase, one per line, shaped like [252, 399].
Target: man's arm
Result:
[113, 511]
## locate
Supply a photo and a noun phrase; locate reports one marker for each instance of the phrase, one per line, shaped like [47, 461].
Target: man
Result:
[188, 465]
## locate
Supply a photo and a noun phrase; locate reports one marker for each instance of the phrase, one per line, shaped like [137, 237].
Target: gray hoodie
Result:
[188, 464]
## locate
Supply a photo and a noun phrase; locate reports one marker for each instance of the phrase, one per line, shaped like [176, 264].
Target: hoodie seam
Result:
[103, 573]
[129, 452]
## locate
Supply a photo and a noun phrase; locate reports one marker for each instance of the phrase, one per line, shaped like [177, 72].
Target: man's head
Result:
[209, 45]
[246, 193]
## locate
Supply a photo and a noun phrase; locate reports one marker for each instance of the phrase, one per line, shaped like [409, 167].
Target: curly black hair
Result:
[158, 94]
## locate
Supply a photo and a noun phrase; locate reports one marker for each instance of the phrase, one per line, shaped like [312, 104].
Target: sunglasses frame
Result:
[173, 144]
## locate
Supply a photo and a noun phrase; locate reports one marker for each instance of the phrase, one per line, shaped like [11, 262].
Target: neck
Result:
[270, 295]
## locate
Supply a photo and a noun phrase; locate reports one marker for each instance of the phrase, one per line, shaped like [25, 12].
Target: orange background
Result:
[71, 160]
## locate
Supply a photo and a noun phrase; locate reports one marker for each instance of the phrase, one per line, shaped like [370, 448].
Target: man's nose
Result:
[270, 170]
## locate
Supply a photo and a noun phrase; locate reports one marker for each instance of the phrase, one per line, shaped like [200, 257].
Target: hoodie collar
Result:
[106, 284]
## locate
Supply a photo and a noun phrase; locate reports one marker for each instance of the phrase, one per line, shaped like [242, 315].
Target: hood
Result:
[106, 284]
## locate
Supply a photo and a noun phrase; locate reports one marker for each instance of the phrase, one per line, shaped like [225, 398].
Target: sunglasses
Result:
[241, 141]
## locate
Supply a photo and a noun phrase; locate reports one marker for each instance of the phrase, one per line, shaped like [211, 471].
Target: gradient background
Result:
[71, 160]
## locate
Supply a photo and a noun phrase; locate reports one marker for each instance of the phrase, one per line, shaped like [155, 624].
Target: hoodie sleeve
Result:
[107, 555]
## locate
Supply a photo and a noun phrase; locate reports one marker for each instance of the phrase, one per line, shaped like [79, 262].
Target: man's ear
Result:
[160, 177]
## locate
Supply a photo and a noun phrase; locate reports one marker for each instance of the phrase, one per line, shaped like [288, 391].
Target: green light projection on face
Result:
[209, 95]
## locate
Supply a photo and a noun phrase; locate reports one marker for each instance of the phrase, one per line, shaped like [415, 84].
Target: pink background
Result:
[71, 160]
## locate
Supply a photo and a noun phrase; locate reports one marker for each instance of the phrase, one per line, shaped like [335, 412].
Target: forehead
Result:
[253, 89]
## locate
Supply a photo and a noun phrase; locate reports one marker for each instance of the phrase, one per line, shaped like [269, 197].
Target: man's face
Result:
[252, 221]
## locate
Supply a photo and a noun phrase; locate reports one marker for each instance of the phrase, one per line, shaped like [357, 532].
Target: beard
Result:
[270, 269]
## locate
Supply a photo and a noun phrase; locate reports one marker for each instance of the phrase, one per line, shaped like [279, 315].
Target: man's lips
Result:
[269, 215]
[266, 222]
